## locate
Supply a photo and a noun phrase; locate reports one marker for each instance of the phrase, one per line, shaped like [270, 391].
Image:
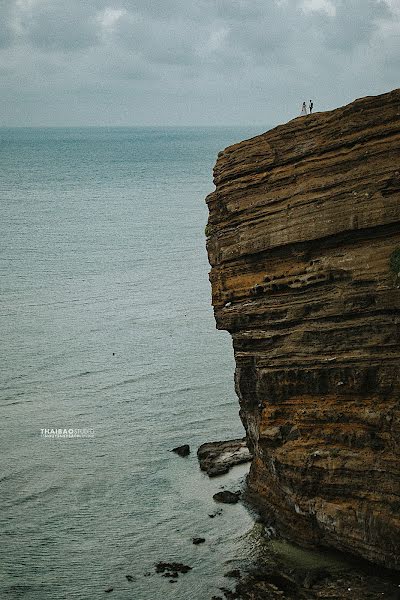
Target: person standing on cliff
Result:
[303, 110]
[311, 106]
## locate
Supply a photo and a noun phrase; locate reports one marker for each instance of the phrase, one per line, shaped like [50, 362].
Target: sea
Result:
[111, 358]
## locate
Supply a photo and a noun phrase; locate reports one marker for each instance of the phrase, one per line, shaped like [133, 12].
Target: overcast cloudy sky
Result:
[205, 62]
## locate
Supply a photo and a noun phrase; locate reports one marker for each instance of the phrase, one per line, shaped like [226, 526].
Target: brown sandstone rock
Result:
[303, 227]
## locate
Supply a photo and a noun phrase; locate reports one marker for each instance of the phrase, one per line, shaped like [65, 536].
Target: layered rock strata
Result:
[304, 243]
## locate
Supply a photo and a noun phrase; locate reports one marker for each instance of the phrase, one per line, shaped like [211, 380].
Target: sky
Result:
[191, 62]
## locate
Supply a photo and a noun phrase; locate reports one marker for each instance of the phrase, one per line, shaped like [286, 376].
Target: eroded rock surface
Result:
[218, 457]
[303, 227]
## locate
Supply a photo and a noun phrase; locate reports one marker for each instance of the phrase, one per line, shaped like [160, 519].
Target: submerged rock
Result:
[174, 575]
[235, 574]
[218, 457]
[172, 569]
[229, 595]
[182, 450]
[275, 584]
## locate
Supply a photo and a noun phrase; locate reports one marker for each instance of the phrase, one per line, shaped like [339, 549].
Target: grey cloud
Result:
[223, 60]
[60, 25]
[355, 22]
[6, 30]
[286, 31]
[170, 42]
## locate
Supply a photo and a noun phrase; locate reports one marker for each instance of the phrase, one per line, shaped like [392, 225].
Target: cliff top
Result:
[300, 170]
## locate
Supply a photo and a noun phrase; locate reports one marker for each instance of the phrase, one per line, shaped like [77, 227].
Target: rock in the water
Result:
[218, 457]
[235, 574]
[198, 540]
[182, 450]
[227, 497]
[229, 595]
[172, 569]
[130, 578]
[108, 590]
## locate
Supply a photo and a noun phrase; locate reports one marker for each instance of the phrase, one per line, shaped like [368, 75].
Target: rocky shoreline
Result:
[280, 582]
[273, 569]
[281, 570]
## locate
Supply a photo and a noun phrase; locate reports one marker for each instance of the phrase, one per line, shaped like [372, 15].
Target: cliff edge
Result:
[304, 245]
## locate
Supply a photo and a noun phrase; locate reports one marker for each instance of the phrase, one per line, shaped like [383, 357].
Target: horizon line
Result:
[129, 126]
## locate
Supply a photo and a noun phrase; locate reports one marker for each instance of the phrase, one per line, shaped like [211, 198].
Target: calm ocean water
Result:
[106, 323]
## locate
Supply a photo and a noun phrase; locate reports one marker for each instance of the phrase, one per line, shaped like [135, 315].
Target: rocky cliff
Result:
[304, 245]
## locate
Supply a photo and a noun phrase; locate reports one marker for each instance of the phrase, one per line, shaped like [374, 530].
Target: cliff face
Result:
[304, 245]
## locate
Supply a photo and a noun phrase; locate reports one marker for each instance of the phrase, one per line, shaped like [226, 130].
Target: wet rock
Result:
[182, 450]
[279, 581]
[130, 578]
[235, 574]
[227, 497]
[198, 540]
[108, 590]
[216, 458]
[229, 595]
[271, 584]
[173, 568]
[313, 577]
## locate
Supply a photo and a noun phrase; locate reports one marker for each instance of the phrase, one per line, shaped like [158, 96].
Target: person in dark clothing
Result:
[311, 106]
